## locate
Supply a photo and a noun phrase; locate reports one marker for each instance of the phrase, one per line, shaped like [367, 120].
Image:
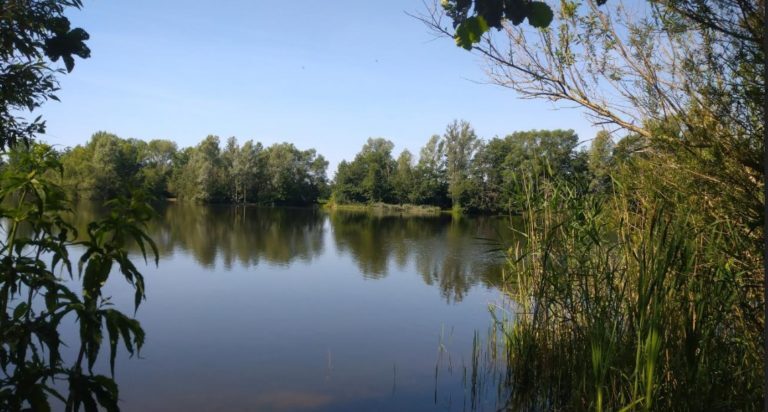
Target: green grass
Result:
[626, 301]
[386, 209]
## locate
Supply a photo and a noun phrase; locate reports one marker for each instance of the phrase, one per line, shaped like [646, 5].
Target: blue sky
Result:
[321, 74]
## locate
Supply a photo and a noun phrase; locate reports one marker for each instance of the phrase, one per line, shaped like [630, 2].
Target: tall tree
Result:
[600, 160]
[368, 178]
[376, 157]
[294, 176]
[461, 146]
[431, 186]
[403, 178]
[117, 163]
[157, 161]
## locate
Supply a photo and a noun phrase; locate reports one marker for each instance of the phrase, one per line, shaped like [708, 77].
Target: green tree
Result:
[115, 163]
[295, 177]
[461, 145]
[600, 160]
[431, 185]
[204, 176]
[403, 178]
[35, 249]
[31, 32]
[247, 171]
[368, 178]
[543, 153]
[79, 173]
[492, 176]
[376, 157]
[108, 166]
[347, 183]
[157, 160]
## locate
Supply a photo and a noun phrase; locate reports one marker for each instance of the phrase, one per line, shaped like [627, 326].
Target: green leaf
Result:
[106, 392]
[470, 31]
[96, 274]
[38, 400]
[20, 311]
[113, 336]
[539, 14]
[515, 11]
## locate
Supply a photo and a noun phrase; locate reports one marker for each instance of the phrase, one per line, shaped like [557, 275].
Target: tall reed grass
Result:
[627, 300]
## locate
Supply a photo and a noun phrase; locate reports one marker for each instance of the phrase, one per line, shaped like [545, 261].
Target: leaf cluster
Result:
[32, 34]
[36, 269]
[473, 18]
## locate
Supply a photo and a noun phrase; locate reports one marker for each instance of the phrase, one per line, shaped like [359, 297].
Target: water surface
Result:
[298, 309]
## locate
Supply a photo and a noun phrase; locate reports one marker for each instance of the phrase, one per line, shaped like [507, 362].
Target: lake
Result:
[283, 309]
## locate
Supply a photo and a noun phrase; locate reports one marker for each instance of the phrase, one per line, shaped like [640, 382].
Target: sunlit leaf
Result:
[471, 31]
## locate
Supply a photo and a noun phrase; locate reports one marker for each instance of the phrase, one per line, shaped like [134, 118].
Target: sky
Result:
[320, 74]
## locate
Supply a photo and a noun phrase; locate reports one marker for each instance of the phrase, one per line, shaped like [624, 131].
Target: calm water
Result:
[298, 309]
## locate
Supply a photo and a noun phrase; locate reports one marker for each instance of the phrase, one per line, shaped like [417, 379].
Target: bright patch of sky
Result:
[319, 74]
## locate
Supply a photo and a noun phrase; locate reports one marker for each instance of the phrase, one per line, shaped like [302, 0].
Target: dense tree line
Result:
[454, 170]
[461, 171]
[249, 173]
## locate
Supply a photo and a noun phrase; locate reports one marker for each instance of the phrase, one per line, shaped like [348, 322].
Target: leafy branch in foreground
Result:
[35, 298]
[473, 18]
[30, 32]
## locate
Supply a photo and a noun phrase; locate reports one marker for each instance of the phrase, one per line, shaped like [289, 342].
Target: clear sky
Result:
[321, 74]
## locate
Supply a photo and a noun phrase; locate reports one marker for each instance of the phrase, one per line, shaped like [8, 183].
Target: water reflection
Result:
[298, 309]
[452, 254]
[449, 253]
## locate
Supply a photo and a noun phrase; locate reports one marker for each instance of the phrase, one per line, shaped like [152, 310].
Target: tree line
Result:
[249, 173]
[455, 170]
[461, 171]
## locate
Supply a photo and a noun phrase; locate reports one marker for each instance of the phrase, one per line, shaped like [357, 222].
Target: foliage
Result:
[108, 166]
[456, 169]
[628, 301]
[35, 301]
[280, 174]
[293, 176]
[600, 159]
[431, 186]
[30, 32]
[460, 145]
[472, 18]
[368, 177]
[686, 78]
[535, 155]
[641, 289]
[460, 170]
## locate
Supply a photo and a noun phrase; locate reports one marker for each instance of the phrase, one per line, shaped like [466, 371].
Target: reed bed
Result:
[626, 301]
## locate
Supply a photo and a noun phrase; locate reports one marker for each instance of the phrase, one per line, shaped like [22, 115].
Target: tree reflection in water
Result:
[452, 254]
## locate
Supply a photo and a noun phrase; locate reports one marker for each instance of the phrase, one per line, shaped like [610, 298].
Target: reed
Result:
[627, 300]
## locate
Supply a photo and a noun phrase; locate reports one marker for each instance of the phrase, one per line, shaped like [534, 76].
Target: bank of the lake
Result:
[381, 208]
